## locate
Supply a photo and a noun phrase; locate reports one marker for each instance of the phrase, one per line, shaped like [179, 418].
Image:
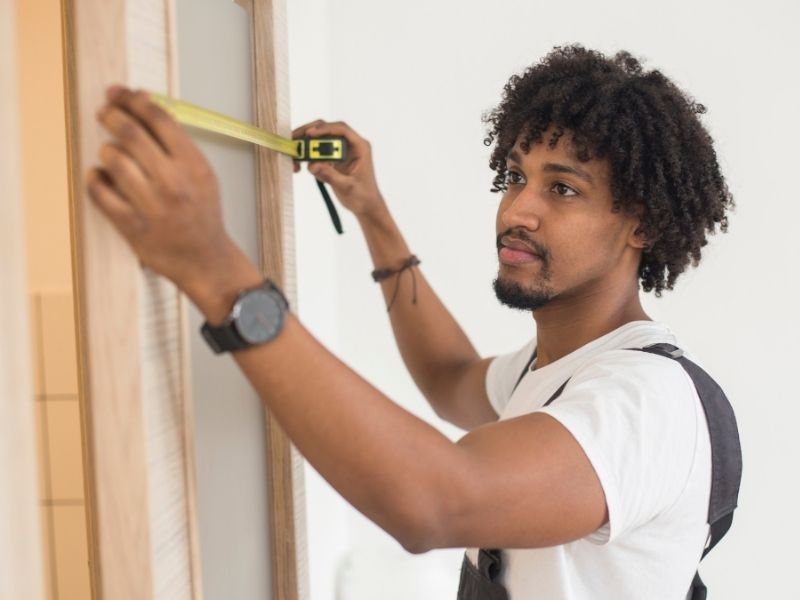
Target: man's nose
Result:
[524, 210]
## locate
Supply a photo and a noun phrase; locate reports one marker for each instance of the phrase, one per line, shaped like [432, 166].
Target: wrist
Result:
[377, 215]
[379, 224]
[215, 290]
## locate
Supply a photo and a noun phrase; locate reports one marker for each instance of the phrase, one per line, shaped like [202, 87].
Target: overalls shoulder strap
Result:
[480, 583]
[726, 453]
[525, 372]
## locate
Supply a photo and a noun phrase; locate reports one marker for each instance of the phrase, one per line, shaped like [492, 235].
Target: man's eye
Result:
[513, 178]
[561, 187]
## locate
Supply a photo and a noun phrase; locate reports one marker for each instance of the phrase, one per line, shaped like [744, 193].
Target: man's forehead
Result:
[563, 145]
[559, 165]
[564, 153]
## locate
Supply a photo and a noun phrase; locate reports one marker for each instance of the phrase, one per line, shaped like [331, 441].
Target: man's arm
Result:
[426, 491]
[441, 359]
[436, 351]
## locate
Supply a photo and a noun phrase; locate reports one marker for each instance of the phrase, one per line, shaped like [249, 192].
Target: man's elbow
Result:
[416, 546]
[426, 527]
[418, 540]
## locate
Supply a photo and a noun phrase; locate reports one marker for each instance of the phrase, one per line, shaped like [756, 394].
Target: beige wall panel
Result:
[43, 143]
[37, 356]
[64, 441]
[46, 514]
[58, 343]
[71, 552]
[42, 454]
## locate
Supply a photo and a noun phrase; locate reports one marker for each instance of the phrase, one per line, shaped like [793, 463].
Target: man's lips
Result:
[516, 252]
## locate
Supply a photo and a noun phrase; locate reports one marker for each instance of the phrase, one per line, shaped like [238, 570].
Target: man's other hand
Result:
[353, 181]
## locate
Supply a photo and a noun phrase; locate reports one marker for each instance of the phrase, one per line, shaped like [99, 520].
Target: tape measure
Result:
[333, 148]
[310, 149]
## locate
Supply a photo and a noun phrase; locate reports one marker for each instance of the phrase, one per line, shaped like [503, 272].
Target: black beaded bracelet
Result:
[381, 274]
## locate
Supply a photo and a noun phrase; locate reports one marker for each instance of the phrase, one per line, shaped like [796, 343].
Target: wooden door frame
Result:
[276, 243]
[106, 275]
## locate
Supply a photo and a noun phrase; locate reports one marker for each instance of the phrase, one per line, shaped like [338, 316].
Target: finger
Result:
[327, 173]
[172, 137]
[120, 212]
[134, 138]
[338, 128]
[295, 166]
[300, 131]
[357, 146]
[126, 175]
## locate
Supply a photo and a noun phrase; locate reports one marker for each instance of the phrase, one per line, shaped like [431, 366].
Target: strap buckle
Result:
[676, 353]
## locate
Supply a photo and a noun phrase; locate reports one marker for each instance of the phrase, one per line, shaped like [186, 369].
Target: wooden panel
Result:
[130, 331]
[130, 324]
[287, 500]
[230, 433]
[20, 535]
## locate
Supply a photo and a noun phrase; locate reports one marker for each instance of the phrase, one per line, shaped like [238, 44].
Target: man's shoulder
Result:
[626, 347]
[630, 367]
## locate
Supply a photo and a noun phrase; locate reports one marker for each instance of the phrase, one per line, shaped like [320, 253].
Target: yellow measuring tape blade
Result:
[202, 118]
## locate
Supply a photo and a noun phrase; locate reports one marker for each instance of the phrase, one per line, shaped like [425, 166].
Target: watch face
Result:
[258, 316]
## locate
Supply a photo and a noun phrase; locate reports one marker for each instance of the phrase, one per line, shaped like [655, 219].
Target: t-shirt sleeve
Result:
[503, 372]
[634, 415]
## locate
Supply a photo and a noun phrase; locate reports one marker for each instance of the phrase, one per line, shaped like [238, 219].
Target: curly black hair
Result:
[662, 159]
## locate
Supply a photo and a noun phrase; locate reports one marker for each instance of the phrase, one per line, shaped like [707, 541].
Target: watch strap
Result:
[224, 337]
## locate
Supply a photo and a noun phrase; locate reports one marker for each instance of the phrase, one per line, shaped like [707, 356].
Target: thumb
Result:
[327, 173]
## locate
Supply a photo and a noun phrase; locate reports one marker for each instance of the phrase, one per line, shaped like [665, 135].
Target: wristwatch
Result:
[256, 318]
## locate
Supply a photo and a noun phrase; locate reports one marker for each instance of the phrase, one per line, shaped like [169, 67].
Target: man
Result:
[609, 180]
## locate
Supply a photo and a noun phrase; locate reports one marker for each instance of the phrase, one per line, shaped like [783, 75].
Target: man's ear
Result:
[639, 239]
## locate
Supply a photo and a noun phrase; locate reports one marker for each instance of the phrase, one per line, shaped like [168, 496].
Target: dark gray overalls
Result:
[480, 583]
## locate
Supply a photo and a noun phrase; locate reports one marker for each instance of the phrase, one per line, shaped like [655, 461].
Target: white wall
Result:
[414, 78]
[317, 261]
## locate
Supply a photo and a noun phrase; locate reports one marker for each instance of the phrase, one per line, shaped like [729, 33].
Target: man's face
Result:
[556, 235]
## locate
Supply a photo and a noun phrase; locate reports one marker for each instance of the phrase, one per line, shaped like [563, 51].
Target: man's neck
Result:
[566, 324]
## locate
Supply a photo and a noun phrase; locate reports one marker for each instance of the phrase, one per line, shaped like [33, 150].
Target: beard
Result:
[513, 295]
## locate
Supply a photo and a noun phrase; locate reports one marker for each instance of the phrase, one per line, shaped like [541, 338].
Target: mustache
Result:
[541, 250]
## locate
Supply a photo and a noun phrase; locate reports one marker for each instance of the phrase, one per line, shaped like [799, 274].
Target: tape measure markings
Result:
[307, 149]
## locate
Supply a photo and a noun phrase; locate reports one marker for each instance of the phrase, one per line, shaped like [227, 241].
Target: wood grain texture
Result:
[110, 396]
[276, 219]
[190, 467]
[20, 538]
[131, 333]
[133, 366]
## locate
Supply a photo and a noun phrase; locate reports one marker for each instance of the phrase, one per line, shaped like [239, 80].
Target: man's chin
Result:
[512, 294]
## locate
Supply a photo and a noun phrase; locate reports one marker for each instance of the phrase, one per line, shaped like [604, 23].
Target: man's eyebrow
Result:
[554, 167]
[512, 155]
[559, 168]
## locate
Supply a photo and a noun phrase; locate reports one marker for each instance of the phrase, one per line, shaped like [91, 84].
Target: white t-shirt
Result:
[640, 422]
